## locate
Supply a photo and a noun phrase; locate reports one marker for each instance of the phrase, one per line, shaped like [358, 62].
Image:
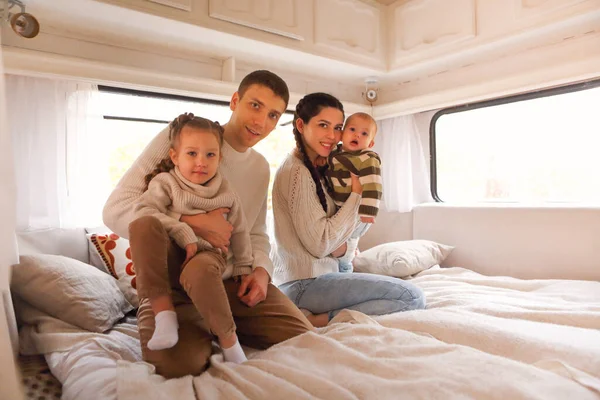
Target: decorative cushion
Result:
[69, 290]
[401, 259]
[112, 253]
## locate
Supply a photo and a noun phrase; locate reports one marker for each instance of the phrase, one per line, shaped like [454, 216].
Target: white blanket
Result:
[480, 338]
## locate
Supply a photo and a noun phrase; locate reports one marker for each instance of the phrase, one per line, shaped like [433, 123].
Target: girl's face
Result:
[197, 154]
[322, 132]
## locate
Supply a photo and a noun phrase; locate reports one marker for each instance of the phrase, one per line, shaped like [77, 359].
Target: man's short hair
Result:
[265, 78]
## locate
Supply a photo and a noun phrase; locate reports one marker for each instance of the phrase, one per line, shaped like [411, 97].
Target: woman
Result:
[309, 232]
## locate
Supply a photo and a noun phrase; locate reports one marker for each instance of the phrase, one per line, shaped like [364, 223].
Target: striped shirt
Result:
[364, 163]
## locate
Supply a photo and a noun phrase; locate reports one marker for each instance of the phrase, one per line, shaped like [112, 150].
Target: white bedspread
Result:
[480, 338]
[84, 362]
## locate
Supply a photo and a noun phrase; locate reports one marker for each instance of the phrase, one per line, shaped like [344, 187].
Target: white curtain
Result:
[52, 129]
[403, 162]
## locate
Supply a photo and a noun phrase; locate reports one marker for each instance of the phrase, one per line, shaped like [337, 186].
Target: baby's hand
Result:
[190, 251]
[367, 220]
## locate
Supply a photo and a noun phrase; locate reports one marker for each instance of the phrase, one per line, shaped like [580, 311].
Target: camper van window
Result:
[131, 119]
[534, 148]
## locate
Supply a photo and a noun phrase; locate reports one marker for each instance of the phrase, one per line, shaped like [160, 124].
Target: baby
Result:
[354, 156]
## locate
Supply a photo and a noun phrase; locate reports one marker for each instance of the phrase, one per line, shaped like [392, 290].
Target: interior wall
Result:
[492, 48]
[10, 383]
[390, 226]
[141, 65]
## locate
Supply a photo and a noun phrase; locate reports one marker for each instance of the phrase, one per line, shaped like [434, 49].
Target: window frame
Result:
[164, 96]
[576, 87]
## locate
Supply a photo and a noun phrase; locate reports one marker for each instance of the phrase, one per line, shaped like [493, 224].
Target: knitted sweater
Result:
[170, 191]
[364, 163]
[247, 173]
[305, 235]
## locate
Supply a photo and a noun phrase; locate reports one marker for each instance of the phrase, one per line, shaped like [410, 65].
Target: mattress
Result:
[480, 337]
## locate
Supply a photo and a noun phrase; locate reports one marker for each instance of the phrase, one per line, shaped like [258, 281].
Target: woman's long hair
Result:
[307, 108]
[175, 128]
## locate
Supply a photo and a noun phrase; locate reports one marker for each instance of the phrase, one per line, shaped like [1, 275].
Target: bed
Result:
[481, 337]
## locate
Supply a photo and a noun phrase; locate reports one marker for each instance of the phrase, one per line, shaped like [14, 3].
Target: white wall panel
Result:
[424, 28]
[181, 4]
[349, 26]
[536, 8]
[275, 16]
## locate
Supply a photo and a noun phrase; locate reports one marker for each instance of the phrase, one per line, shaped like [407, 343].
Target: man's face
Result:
[254, 116]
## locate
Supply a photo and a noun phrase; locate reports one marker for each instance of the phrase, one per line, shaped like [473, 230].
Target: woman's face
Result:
[322, 132]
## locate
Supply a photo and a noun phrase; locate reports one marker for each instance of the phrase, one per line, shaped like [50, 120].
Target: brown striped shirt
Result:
[364, 163]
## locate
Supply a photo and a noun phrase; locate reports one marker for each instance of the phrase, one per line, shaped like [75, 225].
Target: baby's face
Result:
[358, 134]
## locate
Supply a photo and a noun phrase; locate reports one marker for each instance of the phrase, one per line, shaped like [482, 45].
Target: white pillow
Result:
[70, 290]
[112, 253]
[401, 259]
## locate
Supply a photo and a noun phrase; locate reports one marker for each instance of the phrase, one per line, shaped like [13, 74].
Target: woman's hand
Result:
[212, 227]
[340, 251]
[356, 185]
[320, 161]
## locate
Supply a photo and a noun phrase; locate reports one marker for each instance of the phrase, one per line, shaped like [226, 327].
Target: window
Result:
[533, 148]
[130, 120]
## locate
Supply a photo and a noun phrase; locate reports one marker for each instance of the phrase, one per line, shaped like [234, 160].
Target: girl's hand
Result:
[190, 251]
[356, 185]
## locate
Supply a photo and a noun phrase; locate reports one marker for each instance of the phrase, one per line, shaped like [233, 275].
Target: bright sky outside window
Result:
[534, 151]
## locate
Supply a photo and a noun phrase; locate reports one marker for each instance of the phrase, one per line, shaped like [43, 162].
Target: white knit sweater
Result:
[248, 174]
[170, 192]
[305, 235]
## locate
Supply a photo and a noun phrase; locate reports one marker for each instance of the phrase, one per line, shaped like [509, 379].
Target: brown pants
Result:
[200, 303]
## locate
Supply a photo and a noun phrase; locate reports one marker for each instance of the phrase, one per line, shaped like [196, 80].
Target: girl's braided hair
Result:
[307, 108]
[175, 128]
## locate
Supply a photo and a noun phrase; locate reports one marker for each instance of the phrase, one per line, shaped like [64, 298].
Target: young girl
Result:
[188, 182]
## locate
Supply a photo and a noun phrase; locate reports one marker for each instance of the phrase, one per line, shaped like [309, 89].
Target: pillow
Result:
[112, 253]
[70, 290]
[401, 259]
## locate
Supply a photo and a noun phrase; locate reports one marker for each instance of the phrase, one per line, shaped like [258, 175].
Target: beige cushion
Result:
[401, 259]
[70, 290]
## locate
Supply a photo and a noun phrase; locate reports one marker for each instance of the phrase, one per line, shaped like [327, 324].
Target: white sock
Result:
[165, 333]
[235, 353]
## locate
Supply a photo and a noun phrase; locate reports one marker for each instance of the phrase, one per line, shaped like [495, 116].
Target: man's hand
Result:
[367, 220]
[253, 288]
[212, 227]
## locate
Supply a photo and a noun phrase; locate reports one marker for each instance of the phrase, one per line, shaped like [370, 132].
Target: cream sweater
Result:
[305, 235]
[171, 192]
[247, 173]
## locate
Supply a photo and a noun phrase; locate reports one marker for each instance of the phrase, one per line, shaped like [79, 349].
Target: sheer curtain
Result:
[403, 163]
[52, 130]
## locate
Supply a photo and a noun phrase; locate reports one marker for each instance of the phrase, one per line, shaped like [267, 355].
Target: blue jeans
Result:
[345, 261]
[368, 293]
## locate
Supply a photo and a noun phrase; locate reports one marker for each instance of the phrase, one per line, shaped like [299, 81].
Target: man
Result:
[263, 315]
